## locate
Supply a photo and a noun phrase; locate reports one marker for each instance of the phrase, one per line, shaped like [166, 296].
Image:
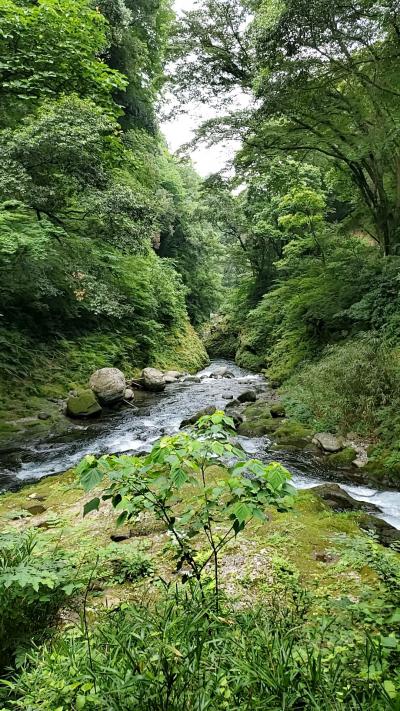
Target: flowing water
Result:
[162, 413]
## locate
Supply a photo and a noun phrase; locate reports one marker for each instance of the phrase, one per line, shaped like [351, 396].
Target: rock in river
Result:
[339, 500]
[248, 396]
[328, 442]
[210, 410]
[83, 404]
[108, 384]
[153, 379]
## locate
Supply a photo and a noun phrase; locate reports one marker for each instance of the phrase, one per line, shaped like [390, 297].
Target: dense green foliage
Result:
[313, 235]
[101, 230]
[112, 252]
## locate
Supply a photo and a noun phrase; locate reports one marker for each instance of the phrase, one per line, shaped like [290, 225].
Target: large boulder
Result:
[153, 380]
[83, 404]
[108, 384]
[328, 442]
[339, 500]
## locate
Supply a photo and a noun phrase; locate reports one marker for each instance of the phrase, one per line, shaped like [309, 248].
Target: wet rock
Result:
[234, 403]
[201, 413]
[153, 380]
[43, 416]
[169, 379]
[175, 374]
[36, 509]
[277, 410]
[83, 405]
[386, 534]
[108, 384]
[222, 372]
[328, 442]
[343, 459]
[192, 379]
[248, 396]
[227, 396]
[339, 500]
[129, 394]
[293, 434]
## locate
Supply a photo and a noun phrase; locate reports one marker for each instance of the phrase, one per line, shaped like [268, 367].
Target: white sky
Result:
[181, 130]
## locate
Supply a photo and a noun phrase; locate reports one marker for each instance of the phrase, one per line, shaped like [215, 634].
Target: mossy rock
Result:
[83, 405]
[293, 433]
[257, 409]
[278, 410]
[257, 427]
[343, 459]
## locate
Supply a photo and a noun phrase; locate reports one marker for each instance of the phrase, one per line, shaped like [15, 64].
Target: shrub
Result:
[34, 582]
[354, 386]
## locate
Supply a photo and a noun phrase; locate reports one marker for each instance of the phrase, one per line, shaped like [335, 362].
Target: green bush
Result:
[34, 583]
[355, 386]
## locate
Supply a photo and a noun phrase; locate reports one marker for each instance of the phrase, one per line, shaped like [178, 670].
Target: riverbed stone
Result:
[247, 396]
[222, 372]
[328, 442]
[343, 459]
[84, 404]
[153, 380]
[176, 374]
[109, 385]
[210, 410]
[129, 394]
[339, 500]
[277, 410]
[293, 434]
[192, 379]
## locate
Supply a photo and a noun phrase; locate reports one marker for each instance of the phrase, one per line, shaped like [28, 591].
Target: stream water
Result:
[162, 413]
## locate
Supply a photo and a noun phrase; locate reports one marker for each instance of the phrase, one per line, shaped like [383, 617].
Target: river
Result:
[162, 413]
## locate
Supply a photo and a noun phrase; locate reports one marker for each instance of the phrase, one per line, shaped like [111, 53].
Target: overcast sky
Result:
[181, 130]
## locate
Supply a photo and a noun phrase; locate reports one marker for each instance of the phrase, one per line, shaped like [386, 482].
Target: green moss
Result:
[342, 459]
[293, 433]
[182, 350]
[83, 405]
[257, 427]
[278, 410]
[257, 409]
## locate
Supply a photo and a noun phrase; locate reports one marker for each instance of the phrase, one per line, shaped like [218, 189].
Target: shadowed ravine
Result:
[128, 431]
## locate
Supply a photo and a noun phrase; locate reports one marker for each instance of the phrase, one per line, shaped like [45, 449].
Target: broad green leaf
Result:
[92, 505]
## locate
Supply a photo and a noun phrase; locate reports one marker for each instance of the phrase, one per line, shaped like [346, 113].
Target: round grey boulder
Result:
[153, 380]
[108, 384]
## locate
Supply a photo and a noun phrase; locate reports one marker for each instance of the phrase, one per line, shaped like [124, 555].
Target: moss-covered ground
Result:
[309, 542]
